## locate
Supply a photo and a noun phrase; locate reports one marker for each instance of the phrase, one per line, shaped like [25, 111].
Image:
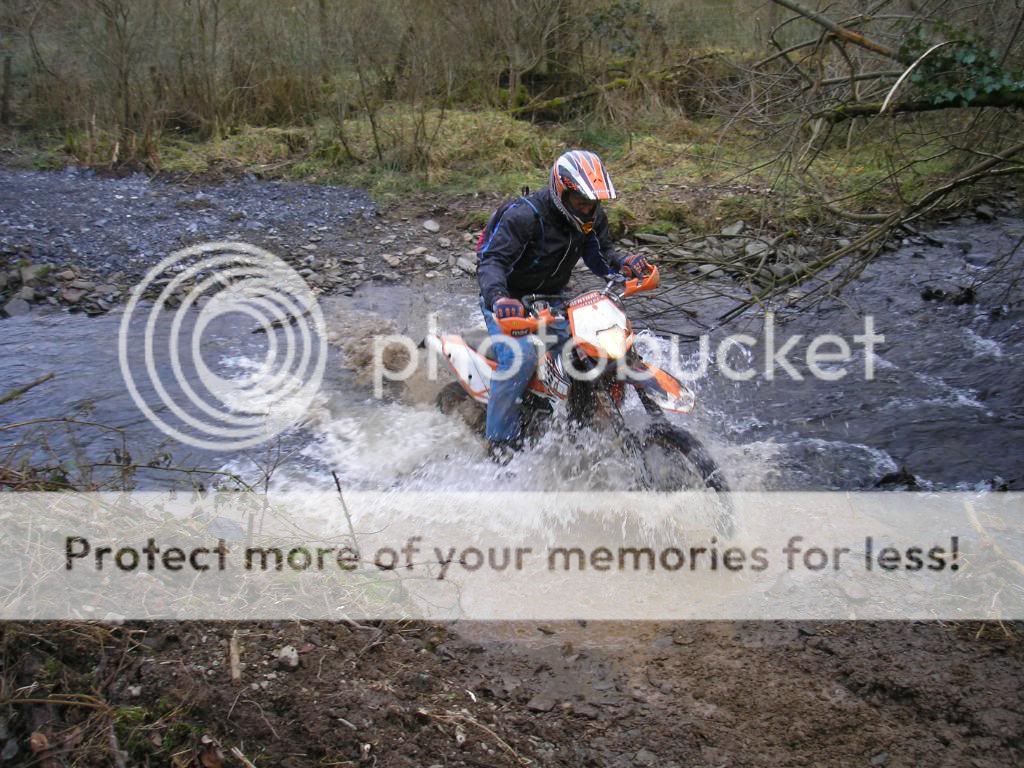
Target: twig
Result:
[344, 506]
[237, 754]
[14, 394]
[911, 68]
[234, 658]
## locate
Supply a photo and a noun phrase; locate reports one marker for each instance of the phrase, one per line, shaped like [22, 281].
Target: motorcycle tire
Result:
[689, 464]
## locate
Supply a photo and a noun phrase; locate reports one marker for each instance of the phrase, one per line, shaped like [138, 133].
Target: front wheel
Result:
[674, 460]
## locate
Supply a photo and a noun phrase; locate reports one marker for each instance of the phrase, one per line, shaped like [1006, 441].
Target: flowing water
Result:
[945, 400]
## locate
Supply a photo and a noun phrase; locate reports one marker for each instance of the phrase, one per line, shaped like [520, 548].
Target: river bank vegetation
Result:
[793, 114]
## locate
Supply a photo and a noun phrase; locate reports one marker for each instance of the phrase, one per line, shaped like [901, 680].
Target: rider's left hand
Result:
[635, 265]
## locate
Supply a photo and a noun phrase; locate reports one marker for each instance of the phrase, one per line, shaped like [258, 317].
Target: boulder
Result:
[467, 264]
[419, 250]
[985, 212]
[82, 285]
[431, 226]
[652, 239]
[444, 242]
[67, 274]
[27, 293]
[432, 260]
[390, 259]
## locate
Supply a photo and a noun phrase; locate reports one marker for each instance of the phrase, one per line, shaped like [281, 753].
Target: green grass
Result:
[671, 172]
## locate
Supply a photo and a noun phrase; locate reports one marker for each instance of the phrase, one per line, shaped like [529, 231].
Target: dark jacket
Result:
[533, 249]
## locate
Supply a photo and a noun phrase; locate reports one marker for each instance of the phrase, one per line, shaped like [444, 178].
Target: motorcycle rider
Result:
[532, 248]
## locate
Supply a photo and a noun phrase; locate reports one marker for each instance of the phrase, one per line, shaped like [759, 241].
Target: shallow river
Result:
[945, 400]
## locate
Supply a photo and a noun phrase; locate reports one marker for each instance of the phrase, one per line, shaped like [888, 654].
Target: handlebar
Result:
[649, 282]
[520, 326]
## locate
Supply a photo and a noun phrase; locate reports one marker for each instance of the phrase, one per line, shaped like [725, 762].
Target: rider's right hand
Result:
[507, 307]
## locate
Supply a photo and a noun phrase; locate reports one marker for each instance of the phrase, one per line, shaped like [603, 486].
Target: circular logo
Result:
[206, 294]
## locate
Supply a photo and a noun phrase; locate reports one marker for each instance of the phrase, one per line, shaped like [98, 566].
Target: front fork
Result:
[599, 401]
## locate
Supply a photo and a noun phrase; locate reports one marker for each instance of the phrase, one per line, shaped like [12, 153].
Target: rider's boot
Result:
[502, 451]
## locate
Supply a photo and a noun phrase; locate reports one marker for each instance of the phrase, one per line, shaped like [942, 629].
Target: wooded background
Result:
[788, 93]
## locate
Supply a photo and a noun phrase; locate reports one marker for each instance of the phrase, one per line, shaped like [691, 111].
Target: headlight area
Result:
[612, 342]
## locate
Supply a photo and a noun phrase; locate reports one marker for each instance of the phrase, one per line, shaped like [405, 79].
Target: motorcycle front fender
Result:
[664, 389]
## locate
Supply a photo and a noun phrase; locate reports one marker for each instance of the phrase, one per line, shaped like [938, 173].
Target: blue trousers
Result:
[503, 422]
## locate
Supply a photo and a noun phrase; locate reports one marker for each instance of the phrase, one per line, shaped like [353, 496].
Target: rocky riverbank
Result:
[81, 242]
[74, 240]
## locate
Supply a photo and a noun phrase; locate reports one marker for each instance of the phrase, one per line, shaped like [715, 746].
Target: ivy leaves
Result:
[959, 73]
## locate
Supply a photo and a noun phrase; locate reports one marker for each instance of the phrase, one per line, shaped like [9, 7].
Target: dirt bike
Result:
[590, 377]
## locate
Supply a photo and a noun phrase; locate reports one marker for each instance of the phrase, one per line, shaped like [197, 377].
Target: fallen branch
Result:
[1006, 100]
[841, 32]
[560, 101]
[985, 169]
[664, 75]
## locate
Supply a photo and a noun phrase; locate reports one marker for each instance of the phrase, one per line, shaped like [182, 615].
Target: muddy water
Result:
[945, 400]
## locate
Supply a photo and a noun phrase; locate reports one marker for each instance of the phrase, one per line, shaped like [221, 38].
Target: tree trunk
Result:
[324, 39]
[5, 100]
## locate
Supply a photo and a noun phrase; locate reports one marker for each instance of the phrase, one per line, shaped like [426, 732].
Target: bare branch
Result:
[841, 32]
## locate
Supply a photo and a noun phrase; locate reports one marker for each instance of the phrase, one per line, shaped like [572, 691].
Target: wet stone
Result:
[16, 307]
[30, 273]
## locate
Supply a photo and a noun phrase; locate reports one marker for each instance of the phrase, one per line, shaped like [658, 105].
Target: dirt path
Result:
[715, 694]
